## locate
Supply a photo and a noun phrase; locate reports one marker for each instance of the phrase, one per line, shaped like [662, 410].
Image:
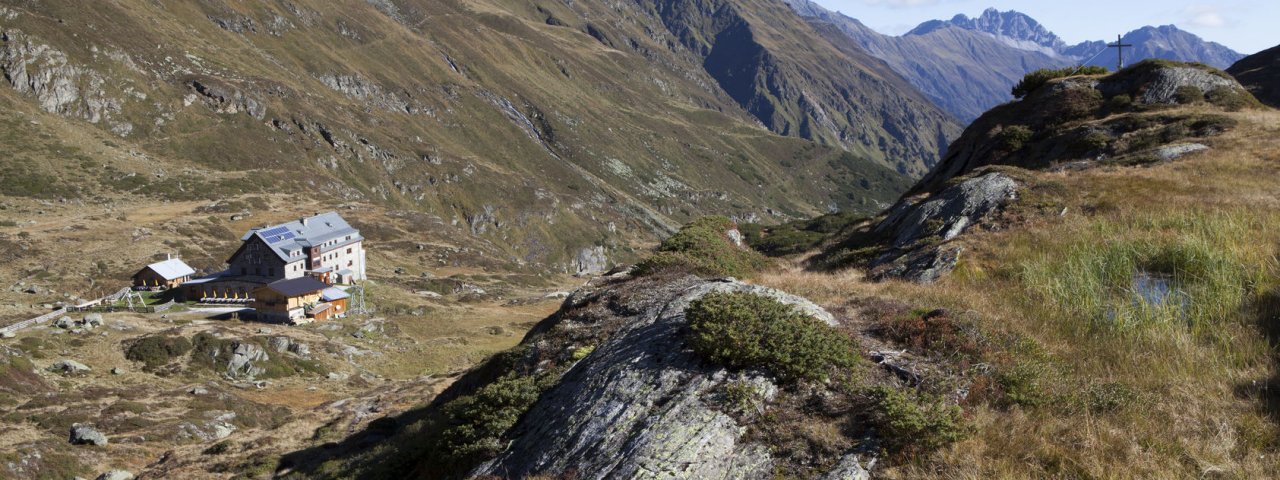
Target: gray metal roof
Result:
[326, 230]
[333, 293]
[297, 286]
[172, 269]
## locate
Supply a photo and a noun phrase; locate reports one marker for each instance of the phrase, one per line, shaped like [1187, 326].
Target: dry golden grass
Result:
[1200, 409]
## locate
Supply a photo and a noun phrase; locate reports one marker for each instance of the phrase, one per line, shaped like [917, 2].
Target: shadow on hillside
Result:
[388, 447]
[1266, 310]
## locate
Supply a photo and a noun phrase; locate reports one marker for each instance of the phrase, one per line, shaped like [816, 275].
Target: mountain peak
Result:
[1014, 28]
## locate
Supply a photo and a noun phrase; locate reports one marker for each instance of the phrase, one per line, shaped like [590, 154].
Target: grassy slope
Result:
[637, 137]
[1204, 381]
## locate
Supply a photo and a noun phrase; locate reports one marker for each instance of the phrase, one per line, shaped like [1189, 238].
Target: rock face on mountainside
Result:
[1260, 73]
[638, 406]
[612, 121]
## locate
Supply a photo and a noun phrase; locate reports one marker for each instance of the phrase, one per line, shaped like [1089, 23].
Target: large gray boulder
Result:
[116, 475]
[82, 434]
[640, 405]
[69, 367]
[917, 230]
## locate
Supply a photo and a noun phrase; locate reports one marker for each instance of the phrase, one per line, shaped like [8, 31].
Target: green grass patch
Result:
[1192, 278]
[744, 330]
[798, 236]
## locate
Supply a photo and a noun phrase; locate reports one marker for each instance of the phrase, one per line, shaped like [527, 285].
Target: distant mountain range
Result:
[968, 65]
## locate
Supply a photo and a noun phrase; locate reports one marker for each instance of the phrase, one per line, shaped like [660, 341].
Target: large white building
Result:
[324, 246]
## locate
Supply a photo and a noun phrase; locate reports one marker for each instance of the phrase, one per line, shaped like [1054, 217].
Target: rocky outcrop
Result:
[245, 361]
[58, 86]
[1162, 85]
[917, 229]
[1079, 119]
[225, 98]
[640, 404]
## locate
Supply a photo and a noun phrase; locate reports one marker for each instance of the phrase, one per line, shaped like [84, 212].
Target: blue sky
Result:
[1247, 26]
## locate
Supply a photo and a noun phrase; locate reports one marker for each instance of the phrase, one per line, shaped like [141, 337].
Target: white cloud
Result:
[1204, 16]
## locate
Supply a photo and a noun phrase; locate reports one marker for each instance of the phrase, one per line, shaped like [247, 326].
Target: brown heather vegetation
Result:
[1113, 387]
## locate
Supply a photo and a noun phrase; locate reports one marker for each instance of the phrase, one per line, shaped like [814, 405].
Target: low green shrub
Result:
[1014, 137]
[1188, 94]
[1034, 80]
[910, 423]
[156, 351]
[1227, 98]
[703, 248]
[474, 424]
[744, 330]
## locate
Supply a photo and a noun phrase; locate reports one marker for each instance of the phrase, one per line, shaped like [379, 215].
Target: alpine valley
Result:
[589, 239]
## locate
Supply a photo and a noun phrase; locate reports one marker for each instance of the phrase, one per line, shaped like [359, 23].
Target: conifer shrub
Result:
[474, 424]
[910, 423]
[745, 330]
[1034, 80]
[703, 247]
[155, 351]
[1014, 137]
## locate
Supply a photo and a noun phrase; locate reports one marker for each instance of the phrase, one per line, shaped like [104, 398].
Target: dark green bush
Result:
[703, 248]
[911, 423]
[157, 350]
[1014, 137]
[744, 330]
[1227, 98]
[1188, 94]
[1038, 78]
[474, 424]
[1119, 103]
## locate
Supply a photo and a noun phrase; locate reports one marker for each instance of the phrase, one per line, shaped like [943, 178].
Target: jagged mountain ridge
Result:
[968, 65]
[546, 127]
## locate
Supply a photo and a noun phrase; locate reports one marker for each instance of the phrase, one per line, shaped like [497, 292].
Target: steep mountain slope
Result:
[1260, 73]
[967, 65]
[963, 71]
[549, 128]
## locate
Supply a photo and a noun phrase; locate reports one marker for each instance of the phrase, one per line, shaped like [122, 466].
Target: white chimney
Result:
[304, 221]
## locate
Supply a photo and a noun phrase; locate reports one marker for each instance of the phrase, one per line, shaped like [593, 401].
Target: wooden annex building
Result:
[163, 275]
[299, 300]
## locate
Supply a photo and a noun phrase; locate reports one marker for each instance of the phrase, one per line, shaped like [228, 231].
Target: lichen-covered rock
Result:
[116, 475]
[69, 367]
[591, 261]
[245, 359]
[918, 229]
[639, 405]
[1170, 152]
[1160, 85]
[82, 434]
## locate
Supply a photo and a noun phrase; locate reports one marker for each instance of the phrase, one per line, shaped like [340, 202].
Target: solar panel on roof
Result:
[280, 238]
[273, 232]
